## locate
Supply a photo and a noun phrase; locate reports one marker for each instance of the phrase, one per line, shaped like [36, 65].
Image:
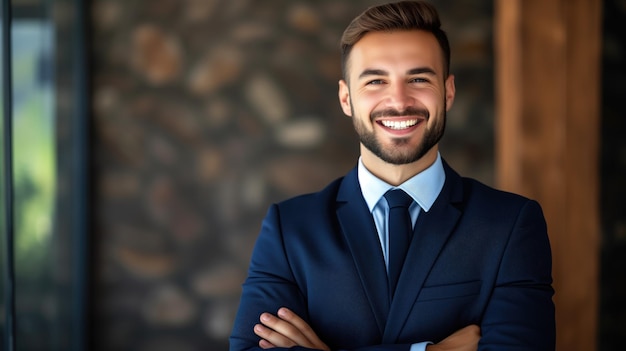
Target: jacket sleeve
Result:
[520, 314]
[270, 285]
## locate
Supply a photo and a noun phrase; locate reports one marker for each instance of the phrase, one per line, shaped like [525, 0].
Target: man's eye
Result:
[375, 82]
[419, 80]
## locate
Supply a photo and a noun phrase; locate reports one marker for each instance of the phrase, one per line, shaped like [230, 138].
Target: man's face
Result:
[396, 94]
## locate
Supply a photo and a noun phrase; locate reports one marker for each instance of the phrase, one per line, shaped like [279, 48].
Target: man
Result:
[325, 272]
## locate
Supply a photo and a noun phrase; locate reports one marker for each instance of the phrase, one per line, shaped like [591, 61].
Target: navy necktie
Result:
[399, 229]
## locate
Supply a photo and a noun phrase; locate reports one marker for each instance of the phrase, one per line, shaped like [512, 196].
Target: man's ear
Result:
[450, 91]
[344, 98]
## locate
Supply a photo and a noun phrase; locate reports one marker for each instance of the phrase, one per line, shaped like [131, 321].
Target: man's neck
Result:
[397, 174]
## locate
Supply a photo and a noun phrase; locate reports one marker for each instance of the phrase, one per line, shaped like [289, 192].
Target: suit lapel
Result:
[431, 233]
[360, 232]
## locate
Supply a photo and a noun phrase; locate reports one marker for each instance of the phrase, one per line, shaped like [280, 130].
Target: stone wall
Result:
[207, 111]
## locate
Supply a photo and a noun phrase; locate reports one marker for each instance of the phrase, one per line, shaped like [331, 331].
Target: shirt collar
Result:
[423, 187]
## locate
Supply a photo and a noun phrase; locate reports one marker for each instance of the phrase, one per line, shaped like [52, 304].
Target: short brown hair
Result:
[403, 15]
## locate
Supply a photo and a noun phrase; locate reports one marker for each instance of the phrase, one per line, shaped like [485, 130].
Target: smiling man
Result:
[402, 253]
[397, 95]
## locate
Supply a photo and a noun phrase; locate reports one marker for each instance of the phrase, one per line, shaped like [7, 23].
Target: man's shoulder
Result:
[309, 209]
[474, 187]
[499, 205]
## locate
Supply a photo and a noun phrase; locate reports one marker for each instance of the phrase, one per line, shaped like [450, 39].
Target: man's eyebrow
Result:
[373, 72]
[412, 71]
[422, 70]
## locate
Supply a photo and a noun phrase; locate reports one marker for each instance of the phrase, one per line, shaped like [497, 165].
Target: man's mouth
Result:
[399, 125]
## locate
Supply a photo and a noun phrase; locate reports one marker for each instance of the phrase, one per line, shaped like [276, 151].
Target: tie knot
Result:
[398, 198]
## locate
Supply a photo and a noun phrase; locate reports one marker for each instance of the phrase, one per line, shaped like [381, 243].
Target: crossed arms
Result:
[503, 285]
[286, 330]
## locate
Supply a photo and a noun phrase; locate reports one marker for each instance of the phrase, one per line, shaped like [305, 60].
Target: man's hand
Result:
[465, 339]
[286, 330]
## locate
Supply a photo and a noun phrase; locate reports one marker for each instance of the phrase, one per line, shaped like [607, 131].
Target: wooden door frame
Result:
[548, 72]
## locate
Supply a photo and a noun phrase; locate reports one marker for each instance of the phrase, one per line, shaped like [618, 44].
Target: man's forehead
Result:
[411, 48]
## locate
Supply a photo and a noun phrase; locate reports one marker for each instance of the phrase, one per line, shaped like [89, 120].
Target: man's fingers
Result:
[465, 339]
[282, 333]
[471, 329]
[271, 338]
[313, 340]
[287, 330]
[264, 344]
[304, 328]
[472, 332]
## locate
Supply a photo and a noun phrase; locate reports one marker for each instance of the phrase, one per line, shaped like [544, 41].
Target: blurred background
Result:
[142, 142]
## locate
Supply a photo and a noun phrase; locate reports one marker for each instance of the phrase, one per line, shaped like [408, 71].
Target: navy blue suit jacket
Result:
[479, 256]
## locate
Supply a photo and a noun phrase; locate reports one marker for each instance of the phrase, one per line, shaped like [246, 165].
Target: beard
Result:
[398, 153]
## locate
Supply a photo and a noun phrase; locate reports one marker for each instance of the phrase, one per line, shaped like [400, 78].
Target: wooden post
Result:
[547, 135]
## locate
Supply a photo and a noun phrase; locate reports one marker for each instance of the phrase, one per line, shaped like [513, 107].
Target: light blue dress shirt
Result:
[424, 188]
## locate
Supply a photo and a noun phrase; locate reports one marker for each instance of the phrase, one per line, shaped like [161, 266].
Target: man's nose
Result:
[399, 96]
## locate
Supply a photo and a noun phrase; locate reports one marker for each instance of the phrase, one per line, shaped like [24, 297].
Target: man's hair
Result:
[403, 15]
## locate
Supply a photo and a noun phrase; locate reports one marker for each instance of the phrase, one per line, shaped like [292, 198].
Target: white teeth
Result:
[399, 124]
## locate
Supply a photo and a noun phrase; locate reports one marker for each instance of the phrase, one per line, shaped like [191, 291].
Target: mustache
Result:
[409, 111]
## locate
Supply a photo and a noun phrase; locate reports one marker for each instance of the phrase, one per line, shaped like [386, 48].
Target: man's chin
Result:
[399, 160]
[405, 158]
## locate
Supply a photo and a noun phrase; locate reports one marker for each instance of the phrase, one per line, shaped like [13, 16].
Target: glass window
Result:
[47, 178]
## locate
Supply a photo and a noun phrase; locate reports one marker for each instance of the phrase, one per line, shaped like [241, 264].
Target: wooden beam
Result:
[547, 127]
